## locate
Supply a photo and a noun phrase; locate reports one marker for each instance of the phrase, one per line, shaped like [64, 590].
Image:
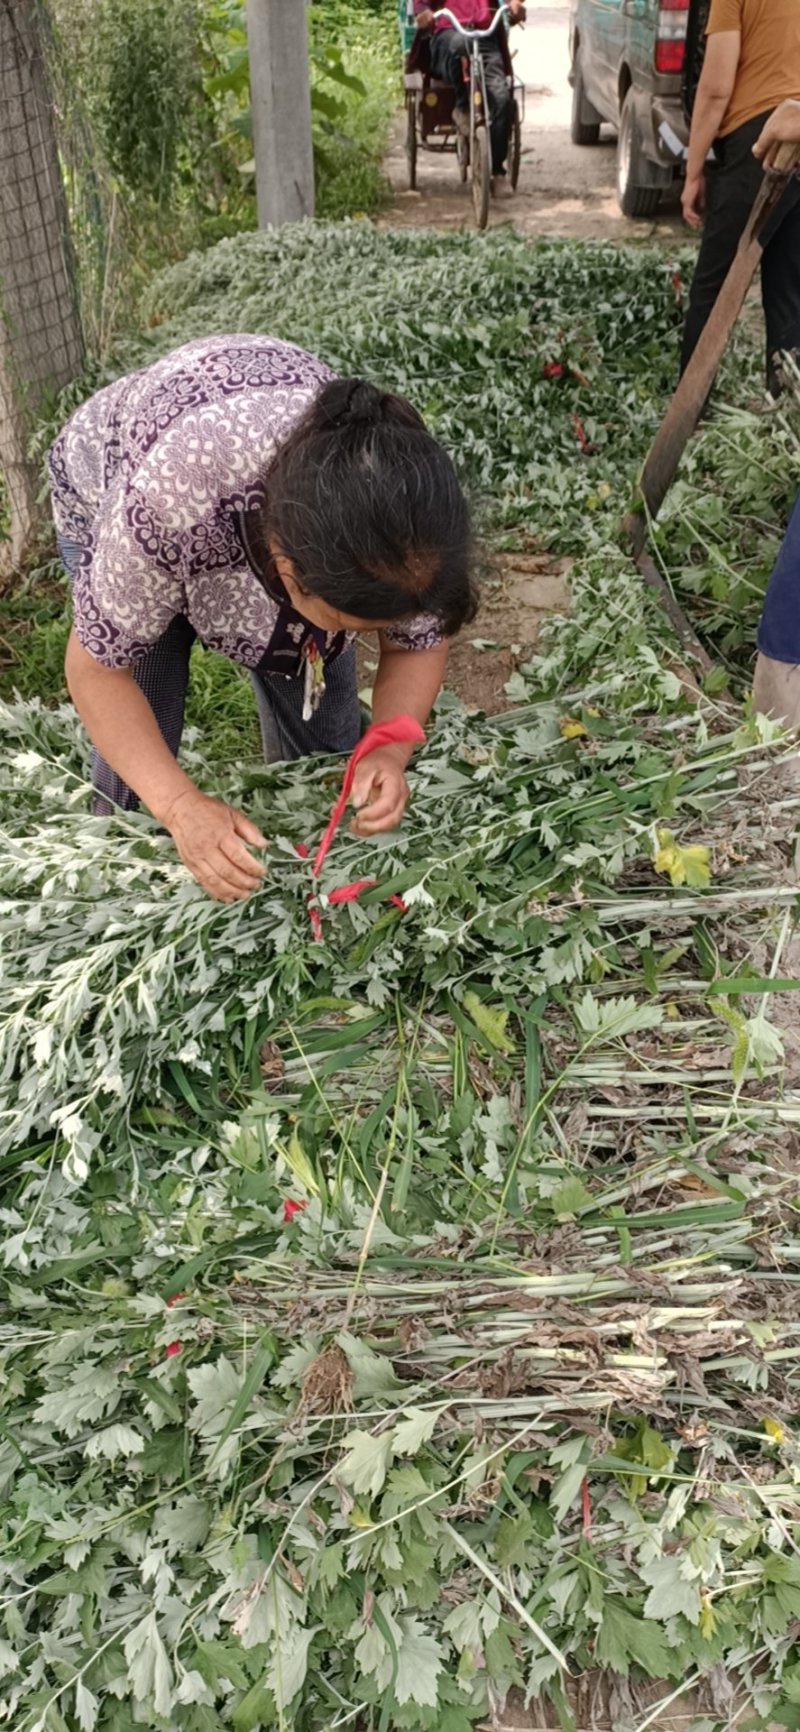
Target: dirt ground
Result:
[524, 590]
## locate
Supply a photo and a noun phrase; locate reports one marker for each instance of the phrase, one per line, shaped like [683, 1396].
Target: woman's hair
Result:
[367, 506]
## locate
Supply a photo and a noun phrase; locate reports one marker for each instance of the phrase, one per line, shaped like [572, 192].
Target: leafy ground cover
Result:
[543, 368]
[401, 1320]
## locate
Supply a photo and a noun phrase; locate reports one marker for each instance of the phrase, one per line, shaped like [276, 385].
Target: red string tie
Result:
[401, 730]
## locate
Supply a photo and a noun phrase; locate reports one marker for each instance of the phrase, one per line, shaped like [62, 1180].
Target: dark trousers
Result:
[162, 675]
[448, 50]
[779, 629]
[732, 183]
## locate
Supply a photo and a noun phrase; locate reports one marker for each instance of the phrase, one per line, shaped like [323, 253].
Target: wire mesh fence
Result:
[41, 346]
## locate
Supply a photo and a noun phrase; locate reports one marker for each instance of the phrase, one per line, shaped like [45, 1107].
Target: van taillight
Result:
[671, 35]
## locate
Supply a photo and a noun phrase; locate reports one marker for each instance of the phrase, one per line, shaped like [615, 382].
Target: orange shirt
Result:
[769, 64]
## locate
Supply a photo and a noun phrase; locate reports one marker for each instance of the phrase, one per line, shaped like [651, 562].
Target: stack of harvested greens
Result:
[407, 1325]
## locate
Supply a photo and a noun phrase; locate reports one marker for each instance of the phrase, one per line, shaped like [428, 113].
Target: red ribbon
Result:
[401, 730]
[349, 892]
[581, 432]
[174, 1346]
[292, 1208]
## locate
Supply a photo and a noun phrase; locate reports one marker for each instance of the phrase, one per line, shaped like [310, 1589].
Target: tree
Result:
[41, 348]
[280, 96]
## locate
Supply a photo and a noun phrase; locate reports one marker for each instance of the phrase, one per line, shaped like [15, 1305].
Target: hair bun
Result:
[345, 401]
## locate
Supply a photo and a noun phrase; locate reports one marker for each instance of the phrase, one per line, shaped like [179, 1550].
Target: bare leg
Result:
[776, 691]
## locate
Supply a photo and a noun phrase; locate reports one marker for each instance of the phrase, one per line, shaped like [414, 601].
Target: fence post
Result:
[277, 33]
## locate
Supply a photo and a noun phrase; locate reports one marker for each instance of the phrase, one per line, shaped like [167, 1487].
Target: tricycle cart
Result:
[430, 105]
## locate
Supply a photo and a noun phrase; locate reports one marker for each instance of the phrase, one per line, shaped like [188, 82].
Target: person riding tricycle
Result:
[461, 92]
[449, 49]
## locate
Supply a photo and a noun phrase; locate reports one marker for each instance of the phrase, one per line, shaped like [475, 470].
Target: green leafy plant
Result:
[401, 1321]
[347, 1282]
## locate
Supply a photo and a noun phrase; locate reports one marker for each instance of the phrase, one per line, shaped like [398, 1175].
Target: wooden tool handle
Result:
[787, 159]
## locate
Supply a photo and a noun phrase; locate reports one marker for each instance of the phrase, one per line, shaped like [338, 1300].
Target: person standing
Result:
[776, 683]
[752, 63]
[448, 50]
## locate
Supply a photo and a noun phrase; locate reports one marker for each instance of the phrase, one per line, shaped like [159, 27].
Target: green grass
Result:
[222, 709]
[34, 626]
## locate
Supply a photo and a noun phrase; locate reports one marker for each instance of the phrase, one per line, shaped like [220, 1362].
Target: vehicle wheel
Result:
[411, 144]
[462, 154]
[481, 175]
[584, 126]
[634, 199]
[515, 152]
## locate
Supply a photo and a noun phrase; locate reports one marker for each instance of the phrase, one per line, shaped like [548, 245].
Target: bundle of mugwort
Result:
[406, 1316]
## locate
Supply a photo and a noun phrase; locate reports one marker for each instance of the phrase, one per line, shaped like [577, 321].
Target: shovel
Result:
[688, 401]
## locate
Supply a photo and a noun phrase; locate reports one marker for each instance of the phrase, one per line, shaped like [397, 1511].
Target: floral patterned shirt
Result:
[152, 478]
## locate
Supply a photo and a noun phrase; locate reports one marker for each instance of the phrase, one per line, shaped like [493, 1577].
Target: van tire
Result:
[634, 197]
[584, 127]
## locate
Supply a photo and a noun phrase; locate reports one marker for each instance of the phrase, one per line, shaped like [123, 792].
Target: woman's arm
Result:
[208, 835]
[714, 92]
[407, 682]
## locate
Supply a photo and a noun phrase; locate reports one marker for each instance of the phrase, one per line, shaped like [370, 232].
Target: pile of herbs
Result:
[543, 367]
[502, 345]
[411, 1318]
[406, 1325]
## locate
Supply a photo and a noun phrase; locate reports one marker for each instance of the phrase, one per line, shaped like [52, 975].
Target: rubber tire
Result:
[411, 144]
[584, 126]
[515, 152]
[481, 175]
[634, 200]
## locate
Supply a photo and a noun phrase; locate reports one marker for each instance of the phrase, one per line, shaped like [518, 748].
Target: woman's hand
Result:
[210, 838]
[783, 127]
[693, 200]
[380, 792]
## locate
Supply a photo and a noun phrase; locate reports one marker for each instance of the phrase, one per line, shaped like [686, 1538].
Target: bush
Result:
[351, 124]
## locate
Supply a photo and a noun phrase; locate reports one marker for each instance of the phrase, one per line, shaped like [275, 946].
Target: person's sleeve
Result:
[129, 583]
[724, 15]
[422, 632]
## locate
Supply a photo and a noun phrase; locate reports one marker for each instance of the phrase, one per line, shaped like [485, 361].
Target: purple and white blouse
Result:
[151, 476]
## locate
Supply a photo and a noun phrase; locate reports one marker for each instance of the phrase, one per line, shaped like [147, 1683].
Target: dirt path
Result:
[563, 190]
